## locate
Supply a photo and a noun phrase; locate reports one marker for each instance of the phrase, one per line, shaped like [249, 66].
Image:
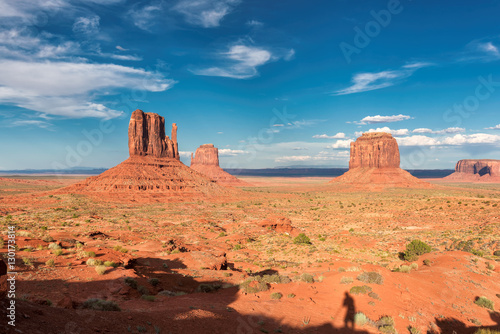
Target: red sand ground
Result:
[182, 245]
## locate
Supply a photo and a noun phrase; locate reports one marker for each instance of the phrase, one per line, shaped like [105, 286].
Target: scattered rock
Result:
[280, 224]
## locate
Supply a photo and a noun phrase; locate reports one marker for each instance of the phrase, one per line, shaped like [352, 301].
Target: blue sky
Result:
[271, 83]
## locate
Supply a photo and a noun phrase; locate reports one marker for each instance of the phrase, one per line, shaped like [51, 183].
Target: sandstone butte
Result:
[374, 163]
[153, 169]
[479, 170]
[206, 161]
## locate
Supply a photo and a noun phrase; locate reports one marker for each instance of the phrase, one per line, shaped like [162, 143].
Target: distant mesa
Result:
[479, 170]
[153, 168]
[206, 161]
[374, 163]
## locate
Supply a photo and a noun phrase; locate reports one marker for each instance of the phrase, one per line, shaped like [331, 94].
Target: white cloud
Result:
[417, 140]
[363, 82]
[496, 127]
[335, 136]
[87, 25]
[185, 154]
[205, 13]
[241, 62]
[476, 138]
[65, 88]
[125, 57]
[227, 152]
[488, 47]
[255, 23]
[145, 17]
[383, 119]
[341, 144]
[439, 132]
[121, 48]
[395, 133]
[30, 122]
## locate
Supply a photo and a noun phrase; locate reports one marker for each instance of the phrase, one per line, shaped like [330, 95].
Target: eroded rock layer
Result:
[476, 170]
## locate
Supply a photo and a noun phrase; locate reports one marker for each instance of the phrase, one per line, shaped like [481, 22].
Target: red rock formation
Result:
[153, 169]
[469, 170]
[206, 161]
[374, 149]
[146, 136]
[374, 163]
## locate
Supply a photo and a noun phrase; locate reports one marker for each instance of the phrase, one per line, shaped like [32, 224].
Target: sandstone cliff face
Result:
[374, 164]
[476, 170]
[146, 136]
[376, 149]
[481, 167]
[207, 155]
[206, 161]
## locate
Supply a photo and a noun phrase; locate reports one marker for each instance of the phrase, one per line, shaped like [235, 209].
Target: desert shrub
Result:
[496, 253]
[371, 277]
[205, 287]
[290, 295]
[253, 286]
[27, 261]
[50, 262]
[360, 319]
[57, 252]
[490, 266]
[110, 264]
[54, 246]
[131, 282]
[427, 262]
[416, 248]
[154, 281]
[386, 325]
[414, 266]
[413, 330]
[276, 295]
[101, 270]
[90, 254]
[302, 239]
[360, 290]
[100, 305]
[346, 280]
[47, 238]
[90, 262]
[149, 298]
[485, 302]
[308, 278]
[276, 279]
[142, 290]
[341, 270]
[487, 331]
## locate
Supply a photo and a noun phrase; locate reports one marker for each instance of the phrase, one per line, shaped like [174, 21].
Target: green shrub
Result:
[100, 305]
[57, 252]
[276, 295]
[54, 246]
[131, 282]
[416, 248]
[386, 325]
[110, 264]
[371, 277]
[485, 302]
[27, 261]
[207, 288]
[427, 263]
[413, 330]
[346, 280]
[496, 253]
[302, 239]
[154, 281]
[149, 298]
[291, 295]
[487, 331]
[50, 262]
[276, 279]
[360, 290]
[90, 254]
[142, 290]
[253, 286]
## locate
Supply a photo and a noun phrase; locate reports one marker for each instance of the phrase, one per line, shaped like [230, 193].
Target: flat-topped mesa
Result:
[207, 155]
[206, 162]
[146, 136]
[480, 167]
[374, 150]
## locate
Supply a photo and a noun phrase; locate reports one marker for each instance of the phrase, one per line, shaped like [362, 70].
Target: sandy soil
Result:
[233, 265]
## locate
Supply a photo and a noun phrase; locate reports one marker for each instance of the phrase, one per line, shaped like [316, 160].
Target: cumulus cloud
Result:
[363, 82]
[476, 138]
[335, 136]
[496, 127]
[240, 62]
[439, 132]
[383, 119]
[205, 13]
[417, 140]
[395, 133]
[341, 144]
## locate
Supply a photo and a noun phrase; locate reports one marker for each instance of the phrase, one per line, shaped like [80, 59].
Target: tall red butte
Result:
[153, 169]
[374, 163]
[479, 170]
[206, 161]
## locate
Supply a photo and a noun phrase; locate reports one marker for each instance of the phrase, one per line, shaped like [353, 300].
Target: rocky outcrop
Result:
[146, 136]
[374, 149]
[374, 164]
[471, 170]
[153, 170]
[206, 161]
